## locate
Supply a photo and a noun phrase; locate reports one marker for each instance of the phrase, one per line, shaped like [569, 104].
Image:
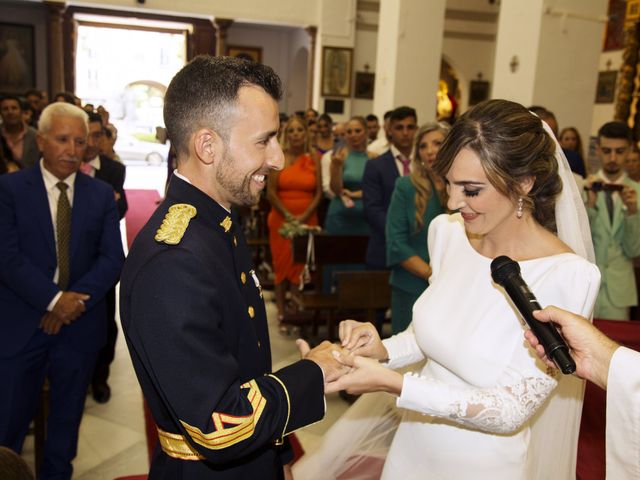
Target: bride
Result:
[483, 405]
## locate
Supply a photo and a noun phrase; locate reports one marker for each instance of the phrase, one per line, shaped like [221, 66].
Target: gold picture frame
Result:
[253, 54]
[337, 67]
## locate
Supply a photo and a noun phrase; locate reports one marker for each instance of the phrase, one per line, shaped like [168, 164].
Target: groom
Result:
[192, 308]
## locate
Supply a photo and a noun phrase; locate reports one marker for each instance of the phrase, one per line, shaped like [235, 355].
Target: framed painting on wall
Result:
[606, 89]
[253, 54]
[365, 82]
[336, 71]
[17, 70]
[478, 91]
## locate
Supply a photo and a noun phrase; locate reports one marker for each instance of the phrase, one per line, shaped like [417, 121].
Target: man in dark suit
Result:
[191, 304]
[112, 172]
[379, 179]
[59, 254]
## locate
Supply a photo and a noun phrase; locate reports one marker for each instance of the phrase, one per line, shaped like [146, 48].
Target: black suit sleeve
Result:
[373, 196]
[114, 174]
[177, 332]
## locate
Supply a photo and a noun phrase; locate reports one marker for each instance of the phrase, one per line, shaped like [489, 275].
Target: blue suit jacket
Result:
[378, 181]
[28, 258]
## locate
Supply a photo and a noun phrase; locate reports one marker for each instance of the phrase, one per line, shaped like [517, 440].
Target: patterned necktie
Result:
[405, 165]
[608, 200]
[63, 234]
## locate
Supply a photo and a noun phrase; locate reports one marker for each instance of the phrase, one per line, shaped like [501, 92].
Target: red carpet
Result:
[142, 203]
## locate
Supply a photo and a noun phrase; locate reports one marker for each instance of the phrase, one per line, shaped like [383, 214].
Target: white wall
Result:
[283, 49]
[604, 112]
[296, 83]
[468, 58]
[568, 58]
[365, 53]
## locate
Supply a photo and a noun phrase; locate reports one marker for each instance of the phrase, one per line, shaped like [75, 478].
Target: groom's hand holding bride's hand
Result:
[365, 375]
[324, 356]
[362, 339]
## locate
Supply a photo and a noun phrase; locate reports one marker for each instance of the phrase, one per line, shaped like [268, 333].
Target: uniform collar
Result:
[182, 177]
[208, 210]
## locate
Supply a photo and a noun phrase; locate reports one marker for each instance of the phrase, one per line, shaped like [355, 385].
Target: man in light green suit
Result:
[612, 206]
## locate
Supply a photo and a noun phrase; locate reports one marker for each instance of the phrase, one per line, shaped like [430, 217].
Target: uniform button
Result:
[243, 278]
[259, 344]
[252, 312]
[235, 241]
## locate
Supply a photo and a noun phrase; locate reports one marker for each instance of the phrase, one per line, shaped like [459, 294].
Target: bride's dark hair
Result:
[512, 146]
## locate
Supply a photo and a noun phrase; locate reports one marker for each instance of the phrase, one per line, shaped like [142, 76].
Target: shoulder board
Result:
[175, 223]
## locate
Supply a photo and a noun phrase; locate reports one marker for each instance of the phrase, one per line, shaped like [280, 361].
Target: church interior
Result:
[576, 60]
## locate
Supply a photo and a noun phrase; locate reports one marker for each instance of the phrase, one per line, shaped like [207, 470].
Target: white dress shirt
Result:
[396, 154]
[53, 194]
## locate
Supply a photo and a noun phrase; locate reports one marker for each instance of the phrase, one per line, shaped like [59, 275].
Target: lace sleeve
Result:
[500, 409]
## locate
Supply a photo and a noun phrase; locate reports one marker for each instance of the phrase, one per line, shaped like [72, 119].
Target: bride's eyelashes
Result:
[470, 193]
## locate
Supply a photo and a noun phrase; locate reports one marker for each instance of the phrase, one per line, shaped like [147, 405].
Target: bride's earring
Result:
[519, 212]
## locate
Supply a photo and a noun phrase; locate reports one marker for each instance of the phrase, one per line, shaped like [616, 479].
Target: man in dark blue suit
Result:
[103, 168]
[59, 254]
[378, 181]
[379, 178]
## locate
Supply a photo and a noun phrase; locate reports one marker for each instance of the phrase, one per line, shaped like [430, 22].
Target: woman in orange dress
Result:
[294, 193]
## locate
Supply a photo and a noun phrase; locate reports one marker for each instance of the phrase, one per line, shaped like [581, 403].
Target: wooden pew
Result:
[329, 250]
[364, 291]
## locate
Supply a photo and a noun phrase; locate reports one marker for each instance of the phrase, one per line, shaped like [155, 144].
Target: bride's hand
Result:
[362, 339]
[366, 375]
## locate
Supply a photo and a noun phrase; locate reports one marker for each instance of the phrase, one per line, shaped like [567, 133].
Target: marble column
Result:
[548, 55]
[409, 56]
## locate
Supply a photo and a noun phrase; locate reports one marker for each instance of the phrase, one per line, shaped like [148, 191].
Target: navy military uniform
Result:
[195, 323]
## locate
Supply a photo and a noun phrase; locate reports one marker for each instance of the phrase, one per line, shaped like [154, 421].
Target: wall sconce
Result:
[514, 64]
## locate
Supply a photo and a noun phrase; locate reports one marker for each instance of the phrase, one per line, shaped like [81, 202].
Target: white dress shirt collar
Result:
[50, 180]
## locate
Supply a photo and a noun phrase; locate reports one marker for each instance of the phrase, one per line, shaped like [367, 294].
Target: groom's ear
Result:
[207, 146]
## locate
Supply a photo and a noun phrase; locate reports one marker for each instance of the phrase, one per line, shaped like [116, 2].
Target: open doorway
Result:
[127, 68]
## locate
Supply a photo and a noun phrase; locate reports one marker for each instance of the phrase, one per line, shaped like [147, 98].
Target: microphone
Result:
[506, 272]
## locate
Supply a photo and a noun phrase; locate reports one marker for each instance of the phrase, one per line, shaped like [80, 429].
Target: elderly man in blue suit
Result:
[612, 206]
[60, 252]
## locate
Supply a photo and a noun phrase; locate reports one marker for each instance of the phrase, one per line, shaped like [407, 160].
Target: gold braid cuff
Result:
[280, 441]
[174, 445]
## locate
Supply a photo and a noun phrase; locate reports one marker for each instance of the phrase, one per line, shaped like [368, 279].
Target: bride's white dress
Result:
[468, 412]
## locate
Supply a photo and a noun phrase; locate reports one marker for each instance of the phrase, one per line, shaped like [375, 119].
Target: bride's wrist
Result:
[394, 383]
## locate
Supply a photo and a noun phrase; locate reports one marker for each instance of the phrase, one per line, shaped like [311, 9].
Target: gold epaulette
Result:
[175, 223]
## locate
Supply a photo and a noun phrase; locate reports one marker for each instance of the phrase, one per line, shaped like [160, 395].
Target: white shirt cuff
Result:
[53, 302]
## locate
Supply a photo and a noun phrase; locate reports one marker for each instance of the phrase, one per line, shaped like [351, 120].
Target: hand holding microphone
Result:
[506, 272]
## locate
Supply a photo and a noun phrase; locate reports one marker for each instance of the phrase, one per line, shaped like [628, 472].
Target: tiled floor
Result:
[112, 440]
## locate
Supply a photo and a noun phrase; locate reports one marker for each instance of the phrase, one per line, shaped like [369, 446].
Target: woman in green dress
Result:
[416, 200]
[346, 212]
